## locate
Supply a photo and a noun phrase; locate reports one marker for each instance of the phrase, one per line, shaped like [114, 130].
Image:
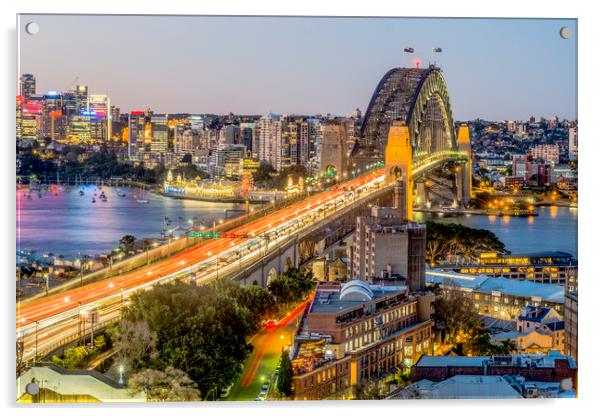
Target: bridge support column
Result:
[463, 183]
[398, 167]
[464, 174]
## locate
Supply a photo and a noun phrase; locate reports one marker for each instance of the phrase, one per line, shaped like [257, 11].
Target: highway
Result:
[44, 323]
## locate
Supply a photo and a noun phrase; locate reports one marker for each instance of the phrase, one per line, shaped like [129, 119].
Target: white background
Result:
[590, 375]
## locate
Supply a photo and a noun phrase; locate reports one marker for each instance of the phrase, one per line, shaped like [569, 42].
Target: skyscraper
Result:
[159, 134]
[136, 124]
[269, 133]
[27, 85]
[98, 108]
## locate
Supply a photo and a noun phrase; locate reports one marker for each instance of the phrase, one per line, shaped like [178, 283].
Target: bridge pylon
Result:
[398, 167]
[464, 172]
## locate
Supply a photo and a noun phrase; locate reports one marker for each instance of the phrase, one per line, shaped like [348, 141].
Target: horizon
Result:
[544, 85]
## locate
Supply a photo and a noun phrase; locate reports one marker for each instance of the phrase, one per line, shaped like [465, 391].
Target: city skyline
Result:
[545, 59]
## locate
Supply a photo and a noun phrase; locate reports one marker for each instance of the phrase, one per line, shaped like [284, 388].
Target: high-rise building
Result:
[79, 127]
[248, 137]
[159, 134]
[385, 247]
[197, 122]
[98, 109]
[229, 134]
[136, 144]
[573, 143]
[27, 86]
[19, 116]
[270, 133]
[53, 121]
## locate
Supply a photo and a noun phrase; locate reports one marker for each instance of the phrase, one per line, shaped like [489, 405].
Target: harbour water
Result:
[62, 221]
[555, 229]
[65, 222]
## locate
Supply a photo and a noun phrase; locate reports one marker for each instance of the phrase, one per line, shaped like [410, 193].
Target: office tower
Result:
[27, 85]
[98, 109]
[159, 134]
[136, 143]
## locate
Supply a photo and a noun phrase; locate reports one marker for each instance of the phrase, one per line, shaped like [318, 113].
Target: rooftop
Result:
[469, 387]
[486, 284]
[515, 360]
[334, 297]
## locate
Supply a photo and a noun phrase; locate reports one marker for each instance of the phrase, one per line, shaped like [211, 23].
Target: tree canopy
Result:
[200, 330]
[292, 286]
[456, 239]
[285, 376]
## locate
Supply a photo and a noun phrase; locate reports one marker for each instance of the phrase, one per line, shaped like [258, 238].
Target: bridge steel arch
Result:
[417, 96]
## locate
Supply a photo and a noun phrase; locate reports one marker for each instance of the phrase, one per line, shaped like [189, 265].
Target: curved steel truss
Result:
[417, 96]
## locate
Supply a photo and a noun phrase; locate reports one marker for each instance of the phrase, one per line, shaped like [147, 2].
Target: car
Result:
[269, 324]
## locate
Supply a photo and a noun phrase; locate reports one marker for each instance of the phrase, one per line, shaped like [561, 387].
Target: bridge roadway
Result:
[46, 323]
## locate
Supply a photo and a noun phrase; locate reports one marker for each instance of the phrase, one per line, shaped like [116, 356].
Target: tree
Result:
[135, 343]
[285, 376]
[127, 243]
[453, 313]
[74, 357]
[263, 175]
[372, 390]
[201, 330]
[292, 286]
[459, 240]
[160, 386]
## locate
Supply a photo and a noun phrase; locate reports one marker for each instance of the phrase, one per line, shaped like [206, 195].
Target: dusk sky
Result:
[502, 69]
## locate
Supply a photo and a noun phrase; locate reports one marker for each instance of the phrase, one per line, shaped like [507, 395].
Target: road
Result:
[268, 345]
[46, 321]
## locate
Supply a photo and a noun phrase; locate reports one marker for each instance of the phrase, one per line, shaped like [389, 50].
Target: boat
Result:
[142, 199]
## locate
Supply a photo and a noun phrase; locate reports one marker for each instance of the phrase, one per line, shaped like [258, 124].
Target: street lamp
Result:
[121, 381]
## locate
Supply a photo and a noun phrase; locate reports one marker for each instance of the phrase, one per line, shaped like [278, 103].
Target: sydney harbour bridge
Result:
[408, 128]
[418, 100]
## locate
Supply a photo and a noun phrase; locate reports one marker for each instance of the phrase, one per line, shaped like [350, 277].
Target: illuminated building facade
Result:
[354, 332]
[553, 267]
[79, 128]
[98, 108]
[499, 297]
[159, 134]
[136, 144]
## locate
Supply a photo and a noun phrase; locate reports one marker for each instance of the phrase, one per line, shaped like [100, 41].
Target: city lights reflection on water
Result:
[555, 228]
[65, 222]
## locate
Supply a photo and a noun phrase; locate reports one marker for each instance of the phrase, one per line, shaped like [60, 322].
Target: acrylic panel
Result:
[216, 208]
